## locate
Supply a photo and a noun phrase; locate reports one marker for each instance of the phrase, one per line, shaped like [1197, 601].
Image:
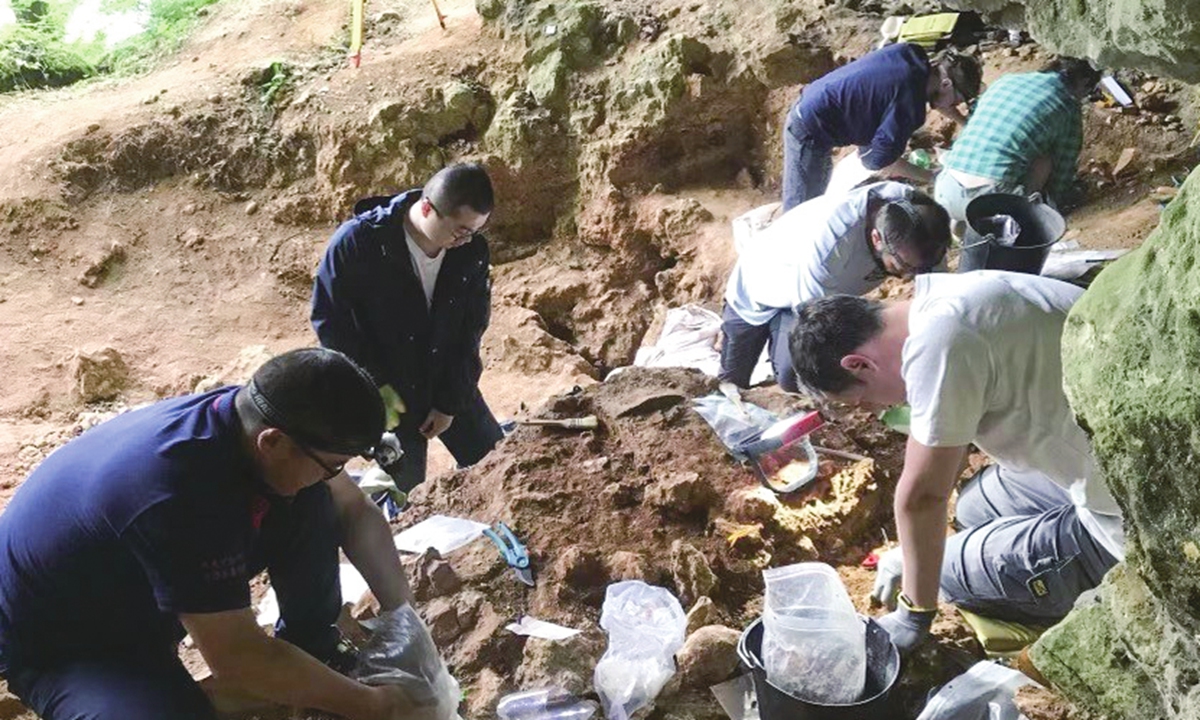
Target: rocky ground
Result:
[159, 233]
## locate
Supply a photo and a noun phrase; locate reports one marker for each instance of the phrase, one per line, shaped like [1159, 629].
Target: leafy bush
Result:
[32, 58]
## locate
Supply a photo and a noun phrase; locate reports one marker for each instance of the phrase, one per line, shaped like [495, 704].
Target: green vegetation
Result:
[35, 53]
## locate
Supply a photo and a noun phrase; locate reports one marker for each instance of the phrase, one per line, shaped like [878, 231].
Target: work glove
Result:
[908, 626]
[393, 406]
[888, 573]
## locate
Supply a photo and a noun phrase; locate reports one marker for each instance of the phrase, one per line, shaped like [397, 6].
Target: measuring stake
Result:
[441, 18]
[356, 31]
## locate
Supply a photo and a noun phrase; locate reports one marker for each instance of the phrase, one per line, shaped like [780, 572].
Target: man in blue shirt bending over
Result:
[876, 102]
[154, 522]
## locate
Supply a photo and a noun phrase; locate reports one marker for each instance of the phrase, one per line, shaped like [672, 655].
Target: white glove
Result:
[888, 573]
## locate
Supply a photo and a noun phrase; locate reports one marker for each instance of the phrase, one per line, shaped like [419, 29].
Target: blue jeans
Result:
[952, 195]
[807, 163]
[297, 545]
[471, 436]
[743, 344]
[1023, 554]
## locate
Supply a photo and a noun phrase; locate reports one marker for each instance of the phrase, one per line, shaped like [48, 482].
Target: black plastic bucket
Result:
[883, 667]
[1041, 227]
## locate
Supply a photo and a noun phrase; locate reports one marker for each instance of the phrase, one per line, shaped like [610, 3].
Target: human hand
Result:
[435, 424]
[888, 573]
[393, 406]
[907, 626]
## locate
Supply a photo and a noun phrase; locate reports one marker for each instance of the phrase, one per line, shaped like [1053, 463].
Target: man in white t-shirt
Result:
[978, 358]
[404, 289]
[846, 243]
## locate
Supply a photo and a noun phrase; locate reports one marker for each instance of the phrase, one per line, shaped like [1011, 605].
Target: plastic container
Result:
[1041, 227]
[783, 455]
[813, 643]
[552, 703]
[882, 666]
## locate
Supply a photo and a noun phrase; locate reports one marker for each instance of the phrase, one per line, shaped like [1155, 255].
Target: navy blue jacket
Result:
[368, 303]
[876, 102]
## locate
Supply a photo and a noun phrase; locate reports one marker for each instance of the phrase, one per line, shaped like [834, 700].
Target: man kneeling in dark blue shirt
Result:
[154, 522]
[876, 102]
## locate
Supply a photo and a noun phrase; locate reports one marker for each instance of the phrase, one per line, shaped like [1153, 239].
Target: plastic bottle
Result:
[545, 704]
[921, 158]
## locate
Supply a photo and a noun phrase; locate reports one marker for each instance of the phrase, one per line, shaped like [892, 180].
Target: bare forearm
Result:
[367, 542]
[904, 168]
[921, 523]
[282, 673]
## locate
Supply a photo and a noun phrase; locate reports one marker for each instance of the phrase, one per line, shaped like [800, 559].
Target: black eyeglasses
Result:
[331, 471]
[461, 231]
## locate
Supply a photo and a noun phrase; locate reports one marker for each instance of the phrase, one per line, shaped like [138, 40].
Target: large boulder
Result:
[1159, 36]
[1131, 356]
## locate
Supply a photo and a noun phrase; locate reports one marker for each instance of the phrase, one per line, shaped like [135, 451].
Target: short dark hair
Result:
[964, 72]
[318, 397]
[919, 225]
[1074, 72]
[827, 329]
[466, 184]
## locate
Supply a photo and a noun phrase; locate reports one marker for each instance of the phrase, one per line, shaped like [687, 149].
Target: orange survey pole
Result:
[441, 18]
[356, 31]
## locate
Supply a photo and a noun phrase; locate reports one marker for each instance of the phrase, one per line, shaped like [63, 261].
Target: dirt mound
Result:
[651, 495]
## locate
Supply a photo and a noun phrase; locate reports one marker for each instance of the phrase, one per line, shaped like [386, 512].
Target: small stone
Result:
[251, 207]
[442, 617]
[627, 565]
[682, 494]
[99, 375]
[704, 612]
[191, 238]
[1125, 161]
[580, 571]
[189, 209]
[709, 656]
[594, 465]
[621, 495]
[693, 576]
[76, 300]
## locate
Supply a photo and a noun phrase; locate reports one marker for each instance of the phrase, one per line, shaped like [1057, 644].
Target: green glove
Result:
[375, 480]
[393, 406]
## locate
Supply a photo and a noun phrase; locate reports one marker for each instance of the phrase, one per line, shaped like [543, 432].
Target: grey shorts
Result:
[1022, 553]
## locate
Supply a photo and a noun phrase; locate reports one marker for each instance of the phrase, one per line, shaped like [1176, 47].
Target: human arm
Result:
[1064, 153]
[921, 506]
[903, 168]
[896, 126]
[244, 658]
[367, 541]
[1038, 173]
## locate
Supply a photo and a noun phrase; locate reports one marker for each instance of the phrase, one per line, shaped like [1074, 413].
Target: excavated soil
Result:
[159, 233]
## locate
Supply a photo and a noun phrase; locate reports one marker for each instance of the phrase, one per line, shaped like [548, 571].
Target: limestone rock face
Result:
[709, 656]
[1159, 36]
[99, 375]
[1131, 356]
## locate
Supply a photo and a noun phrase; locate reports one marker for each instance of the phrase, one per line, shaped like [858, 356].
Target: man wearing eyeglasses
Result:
[404, 290]
[155, 522]
[828, 245]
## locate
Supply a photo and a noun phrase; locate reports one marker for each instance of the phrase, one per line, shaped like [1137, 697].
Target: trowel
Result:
[782, 455]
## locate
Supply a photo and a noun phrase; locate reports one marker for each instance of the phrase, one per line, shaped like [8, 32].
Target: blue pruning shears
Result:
[513, 552]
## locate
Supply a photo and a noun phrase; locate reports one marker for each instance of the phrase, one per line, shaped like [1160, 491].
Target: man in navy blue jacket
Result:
[404, 290]
[876, 102]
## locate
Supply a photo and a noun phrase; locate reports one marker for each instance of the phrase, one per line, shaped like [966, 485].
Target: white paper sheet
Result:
[541, 629]
[440, 532]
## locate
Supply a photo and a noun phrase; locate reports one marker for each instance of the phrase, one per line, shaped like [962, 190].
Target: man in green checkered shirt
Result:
[1023, 137]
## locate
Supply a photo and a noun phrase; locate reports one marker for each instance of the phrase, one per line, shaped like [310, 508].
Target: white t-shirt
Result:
[818, 248]
[983, 364]
[427, 268]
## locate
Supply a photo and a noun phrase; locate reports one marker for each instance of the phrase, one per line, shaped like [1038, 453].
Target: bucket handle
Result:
[991, 236]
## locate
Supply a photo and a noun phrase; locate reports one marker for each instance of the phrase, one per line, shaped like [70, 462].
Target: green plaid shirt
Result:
[1020, 117]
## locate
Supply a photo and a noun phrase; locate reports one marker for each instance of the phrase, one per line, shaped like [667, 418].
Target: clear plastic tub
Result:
[814, 645]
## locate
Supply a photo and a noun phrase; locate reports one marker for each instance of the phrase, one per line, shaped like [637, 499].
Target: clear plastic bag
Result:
[401, 652]
[734, 423]
[551, 703]
[985, 692]
[814, 643]
[646, 627]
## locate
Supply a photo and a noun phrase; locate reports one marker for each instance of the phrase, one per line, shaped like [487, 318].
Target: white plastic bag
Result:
[401, 652]
[646, 627]
[985, 692]
[440, 532]
[814, 643]
[732, 423]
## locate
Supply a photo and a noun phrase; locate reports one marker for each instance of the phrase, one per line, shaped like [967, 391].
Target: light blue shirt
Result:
[817, 248]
